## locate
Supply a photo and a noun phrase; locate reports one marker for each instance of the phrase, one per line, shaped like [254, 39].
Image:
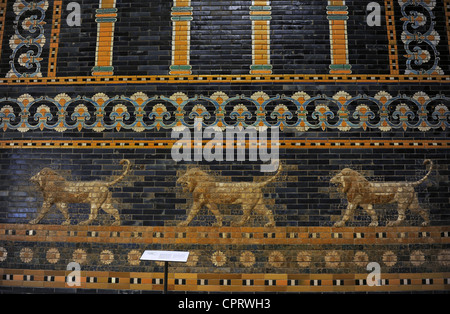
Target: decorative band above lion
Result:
[362, 193]
[60, 192]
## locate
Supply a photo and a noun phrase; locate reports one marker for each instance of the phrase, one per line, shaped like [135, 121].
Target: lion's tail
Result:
[426, 161]
[127, 169]
[264, 183]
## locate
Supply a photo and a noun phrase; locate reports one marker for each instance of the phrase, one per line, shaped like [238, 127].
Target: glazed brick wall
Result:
[149, 196]
[81, 125]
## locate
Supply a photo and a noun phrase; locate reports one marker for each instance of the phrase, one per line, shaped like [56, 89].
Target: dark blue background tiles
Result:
[300, 37]
[221, 37]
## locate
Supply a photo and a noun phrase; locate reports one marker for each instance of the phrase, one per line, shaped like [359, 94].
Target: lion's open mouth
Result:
[337, 184]
[334, 181]
[184, 186]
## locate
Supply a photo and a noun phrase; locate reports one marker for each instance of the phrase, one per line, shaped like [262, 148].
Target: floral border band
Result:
[300, 111]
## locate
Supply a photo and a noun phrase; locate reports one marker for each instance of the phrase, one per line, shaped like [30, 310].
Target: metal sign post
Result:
[166, 257]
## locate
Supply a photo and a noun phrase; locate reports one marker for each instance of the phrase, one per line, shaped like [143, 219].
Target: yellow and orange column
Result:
[337, 15]
[181, 37]
[106, 16]
[260, 15]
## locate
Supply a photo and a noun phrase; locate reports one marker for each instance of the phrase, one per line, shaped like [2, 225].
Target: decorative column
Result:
[105, 17]
[181, 37]
[337, 15]
[260, 15]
